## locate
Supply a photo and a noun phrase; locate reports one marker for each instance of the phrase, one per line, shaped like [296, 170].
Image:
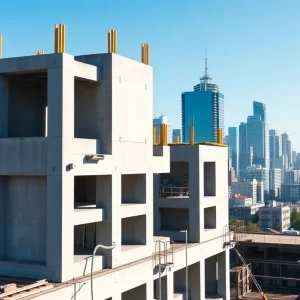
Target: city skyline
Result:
[246, 65]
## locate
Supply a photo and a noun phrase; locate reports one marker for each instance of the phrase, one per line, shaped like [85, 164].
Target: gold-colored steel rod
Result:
[109, 41]
[60, 38]
[56, 39]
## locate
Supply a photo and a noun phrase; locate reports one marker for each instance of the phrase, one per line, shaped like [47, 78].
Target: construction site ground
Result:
[256, 295]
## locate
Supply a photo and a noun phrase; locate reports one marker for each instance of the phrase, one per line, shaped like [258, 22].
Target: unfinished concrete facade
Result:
[76, 170]
[193, 197]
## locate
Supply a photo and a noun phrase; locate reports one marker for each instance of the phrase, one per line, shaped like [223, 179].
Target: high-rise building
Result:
[275, 149]
[258, 135]
[163, 120]
[176, 132]
[233, 147]
[289, 153]
[294, 155]
[204, 109]
[243, 147]
[275, 183]
[286, 150]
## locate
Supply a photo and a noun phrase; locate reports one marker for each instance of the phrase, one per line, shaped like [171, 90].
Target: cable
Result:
[94, 253]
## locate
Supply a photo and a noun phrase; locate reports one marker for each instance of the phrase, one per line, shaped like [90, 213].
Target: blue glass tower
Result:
[205, 108]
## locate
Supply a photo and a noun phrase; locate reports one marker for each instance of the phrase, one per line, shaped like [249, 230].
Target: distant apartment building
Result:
[163, 120]
[290, 192]
[292, 176]
[248, 213]
[240, 200]
[256, 172]
[176, 132]
[204, 109]
[275, 149]
[246, 188]
[275, 217]
[260, 192]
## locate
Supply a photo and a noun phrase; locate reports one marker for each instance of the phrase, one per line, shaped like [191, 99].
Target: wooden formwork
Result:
[240, 282]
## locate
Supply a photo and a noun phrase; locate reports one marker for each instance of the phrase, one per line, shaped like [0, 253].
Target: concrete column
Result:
[194, 211]
[150, 290]
[202, 279]
[60, 181]
[223, 275]
[170, 285]
[157, 225]
[194, 281]
[104, 229]
[61, 102]
[115, 218]
[149, 216]
[3, 213]
[3, 106]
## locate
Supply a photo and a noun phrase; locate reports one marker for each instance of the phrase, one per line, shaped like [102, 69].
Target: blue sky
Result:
[253, 47]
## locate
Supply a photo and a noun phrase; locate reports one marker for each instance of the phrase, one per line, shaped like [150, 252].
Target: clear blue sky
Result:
[253, 47]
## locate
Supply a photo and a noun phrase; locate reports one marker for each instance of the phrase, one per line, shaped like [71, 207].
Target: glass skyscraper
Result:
[204, 107]
[258, 135]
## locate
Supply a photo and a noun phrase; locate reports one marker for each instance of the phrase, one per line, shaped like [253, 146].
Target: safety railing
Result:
[174, 191]
[164, 254]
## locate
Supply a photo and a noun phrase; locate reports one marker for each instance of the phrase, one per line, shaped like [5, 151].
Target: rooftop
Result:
[259, 238]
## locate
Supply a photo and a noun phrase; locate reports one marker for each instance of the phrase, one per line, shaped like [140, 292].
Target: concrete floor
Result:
[256, 295]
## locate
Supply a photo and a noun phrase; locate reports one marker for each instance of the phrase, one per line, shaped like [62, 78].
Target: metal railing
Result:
[175, 191]
[164, 254]
[271, 238]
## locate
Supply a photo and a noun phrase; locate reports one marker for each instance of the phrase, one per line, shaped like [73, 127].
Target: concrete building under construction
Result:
[274, 261]
[78, 173]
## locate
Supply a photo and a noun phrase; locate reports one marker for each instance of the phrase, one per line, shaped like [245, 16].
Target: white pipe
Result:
[94, 253]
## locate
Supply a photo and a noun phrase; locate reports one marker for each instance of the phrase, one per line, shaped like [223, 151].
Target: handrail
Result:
[174, 191]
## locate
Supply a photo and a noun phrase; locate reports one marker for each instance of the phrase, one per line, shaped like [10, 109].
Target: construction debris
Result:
[13, 291]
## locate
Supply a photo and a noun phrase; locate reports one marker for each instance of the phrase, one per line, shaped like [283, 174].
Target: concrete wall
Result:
[26, 108]
[134, 188]
[26, 218]
[210, 221]
[174, 218]
[134, 230]
[86, 102]
[85, 189]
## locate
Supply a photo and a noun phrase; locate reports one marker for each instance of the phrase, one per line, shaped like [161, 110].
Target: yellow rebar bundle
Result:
[112, 41]
[145, 54]
[59, 38]
[220, 136]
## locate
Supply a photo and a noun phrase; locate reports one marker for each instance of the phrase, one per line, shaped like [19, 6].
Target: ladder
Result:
[264, 297]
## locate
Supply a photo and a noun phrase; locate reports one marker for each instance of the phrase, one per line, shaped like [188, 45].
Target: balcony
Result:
[174, 191]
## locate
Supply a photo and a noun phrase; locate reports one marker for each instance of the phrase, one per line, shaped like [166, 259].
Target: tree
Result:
[295, 220]
[249, 226]
[252, 227]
